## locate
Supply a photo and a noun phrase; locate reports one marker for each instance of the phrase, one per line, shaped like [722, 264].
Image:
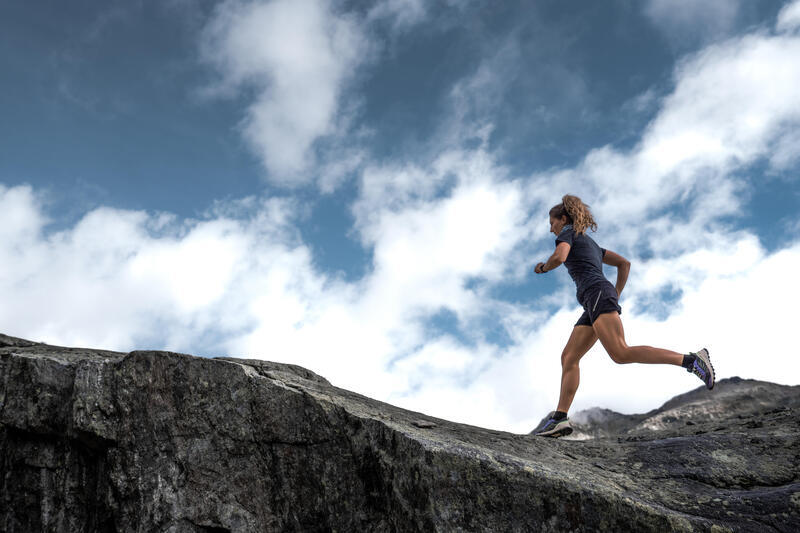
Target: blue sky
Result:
[362, 187]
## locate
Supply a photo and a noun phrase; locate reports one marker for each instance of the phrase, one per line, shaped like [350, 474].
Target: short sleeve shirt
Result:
[585, 260]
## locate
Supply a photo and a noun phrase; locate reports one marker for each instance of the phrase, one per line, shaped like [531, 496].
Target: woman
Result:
[569, 221]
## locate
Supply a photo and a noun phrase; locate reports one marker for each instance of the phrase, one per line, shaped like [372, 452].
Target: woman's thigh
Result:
[580, 341]
[608, 328]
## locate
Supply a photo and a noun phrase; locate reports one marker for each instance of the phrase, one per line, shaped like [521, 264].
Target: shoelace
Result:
[550, 422]
[699, 371]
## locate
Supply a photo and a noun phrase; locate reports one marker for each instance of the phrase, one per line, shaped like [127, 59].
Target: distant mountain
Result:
[732, 402]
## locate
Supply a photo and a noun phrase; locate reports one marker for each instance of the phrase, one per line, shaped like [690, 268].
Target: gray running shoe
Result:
[702, 368]
[554, 428]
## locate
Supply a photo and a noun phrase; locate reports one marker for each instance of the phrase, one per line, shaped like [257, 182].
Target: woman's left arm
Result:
[623, 268]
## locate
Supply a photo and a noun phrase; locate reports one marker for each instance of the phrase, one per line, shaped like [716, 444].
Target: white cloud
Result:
[786, 151]
[734, 104]
[123, 279]
[196, 270]
[789, 17]
[120, 279]
[300, 60]
[432, 231]
[729, 104]
[22, 217]
[298, 56]
[424, 251]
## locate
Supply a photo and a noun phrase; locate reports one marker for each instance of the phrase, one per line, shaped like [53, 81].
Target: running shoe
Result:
[554, 428]
[702, 368]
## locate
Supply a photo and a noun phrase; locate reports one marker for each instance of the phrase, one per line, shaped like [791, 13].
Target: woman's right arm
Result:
[623, 268]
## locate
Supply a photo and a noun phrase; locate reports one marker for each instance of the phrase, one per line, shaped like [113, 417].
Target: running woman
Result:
[569, 221]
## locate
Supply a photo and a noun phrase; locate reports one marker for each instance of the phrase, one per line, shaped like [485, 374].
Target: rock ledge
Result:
[94, 440]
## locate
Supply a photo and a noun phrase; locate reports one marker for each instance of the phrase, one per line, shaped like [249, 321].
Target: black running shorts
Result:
[600, 298]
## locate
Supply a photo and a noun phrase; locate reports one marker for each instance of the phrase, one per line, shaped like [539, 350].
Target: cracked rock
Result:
[93, 440]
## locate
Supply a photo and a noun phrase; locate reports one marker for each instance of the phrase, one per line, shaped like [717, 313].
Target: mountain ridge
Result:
[95, 440]
[688, 409]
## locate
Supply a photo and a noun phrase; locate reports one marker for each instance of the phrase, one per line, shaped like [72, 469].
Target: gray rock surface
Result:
[93, 440]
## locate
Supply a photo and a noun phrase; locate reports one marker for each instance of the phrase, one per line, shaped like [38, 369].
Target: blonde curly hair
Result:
[577, 214]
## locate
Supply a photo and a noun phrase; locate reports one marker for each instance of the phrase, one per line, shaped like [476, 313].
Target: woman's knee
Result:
[620, 355]
[569, 360]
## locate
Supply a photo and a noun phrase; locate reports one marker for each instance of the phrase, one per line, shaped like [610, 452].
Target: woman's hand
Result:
[538, 268]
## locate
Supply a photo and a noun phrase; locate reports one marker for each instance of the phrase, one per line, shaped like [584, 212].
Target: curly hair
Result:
[577, 213]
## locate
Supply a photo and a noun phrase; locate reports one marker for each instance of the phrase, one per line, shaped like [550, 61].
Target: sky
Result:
[362, 188]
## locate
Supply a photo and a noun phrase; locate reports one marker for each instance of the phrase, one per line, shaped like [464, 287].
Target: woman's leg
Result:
[580, 341]
[608, 328]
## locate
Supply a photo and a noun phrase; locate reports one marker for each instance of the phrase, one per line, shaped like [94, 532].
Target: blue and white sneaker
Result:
[554, 428]
[702, 368]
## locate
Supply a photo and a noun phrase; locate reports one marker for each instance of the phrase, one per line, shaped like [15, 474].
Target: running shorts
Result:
[598, 299]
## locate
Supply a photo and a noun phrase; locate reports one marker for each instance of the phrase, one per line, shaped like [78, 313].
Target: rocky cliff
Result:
[94, 440]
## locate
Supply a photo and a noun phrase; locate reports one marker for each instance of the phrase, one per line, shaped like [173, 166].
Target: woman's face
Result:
[557, 224]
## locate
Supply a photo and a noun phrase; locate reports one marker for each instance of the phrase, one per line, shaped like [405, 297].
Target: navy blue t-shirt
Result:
[585, 260]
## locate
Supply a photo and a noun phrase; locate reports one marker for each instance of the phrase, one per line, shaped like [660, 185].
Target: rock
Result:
[732, 401]
[156, 441]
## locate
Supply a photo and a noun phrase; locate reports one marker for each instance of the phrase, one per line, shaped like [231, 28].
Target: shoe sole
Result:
[558, 432]
[706, 358]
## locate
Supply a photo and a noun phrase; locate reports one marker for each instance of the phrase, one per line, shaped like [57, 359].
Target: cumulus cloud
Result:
[789, 17]
[297, 57]
[734, 104]
[300, 62]
[297, 60]
[424, 251]
[138, 278]
[242, 281]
